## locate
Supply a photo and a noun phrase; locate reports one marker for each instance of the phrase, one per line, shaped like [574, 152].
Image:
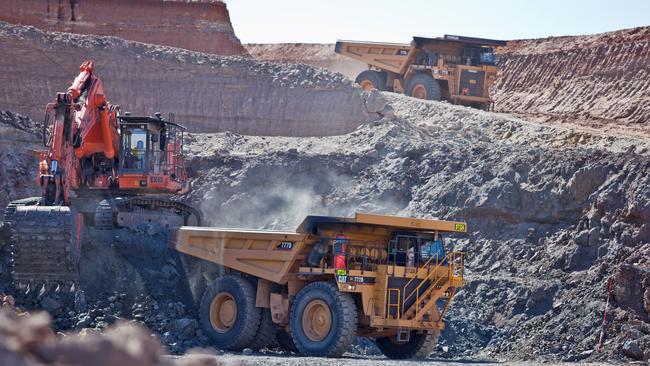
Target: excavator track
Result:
[189, 214]
[45, 244]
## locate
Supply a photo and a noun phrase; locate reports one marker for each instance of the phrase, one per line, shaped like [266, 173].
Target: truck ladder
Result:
[438, 285]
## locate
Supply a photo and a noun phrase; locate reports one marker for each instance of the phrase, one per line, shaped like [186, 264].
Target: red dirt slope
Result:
[202, 26]
[595, 79]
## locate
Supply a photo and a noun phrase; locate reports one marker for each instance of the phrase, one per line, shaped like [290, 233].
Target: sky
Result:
[325, 21]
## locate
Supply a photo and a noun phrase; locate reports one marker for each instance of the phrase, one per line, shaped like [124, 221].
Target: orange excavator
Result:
[100, 170]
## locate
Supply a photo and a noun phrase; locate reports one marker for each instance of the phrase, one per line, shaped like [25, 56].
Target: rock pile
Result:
[551, 220]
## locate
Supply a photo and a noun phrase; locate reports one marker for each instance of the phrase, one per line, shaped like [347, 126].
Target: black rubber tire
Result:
[265, 336]
[432, 87]
[419, 346]
[344, 320]
[247, 322]
[285, 341]
[378, 79]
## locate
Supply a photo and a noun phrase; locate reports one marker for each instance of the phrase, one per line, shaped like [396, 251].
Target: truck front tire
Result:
[419, 346]
[423, 86]
[323, 320]
[370, 79]
[227, 313]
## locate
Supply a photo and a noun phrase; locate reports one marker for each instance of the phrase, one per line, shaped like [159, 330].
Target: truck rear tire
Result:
[422, 86]
[265, 335]
[419, 346]
[227, 313]
[285, 341]
[370, 79]
[323, 320]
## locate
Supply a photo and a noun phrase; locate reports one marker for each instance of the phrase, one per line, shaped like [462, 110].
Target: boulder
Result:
[51, 304]
[632, 350]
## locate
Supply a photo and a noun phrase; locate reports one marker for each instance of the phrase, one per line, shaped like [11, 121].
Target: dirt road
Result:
[281, 360]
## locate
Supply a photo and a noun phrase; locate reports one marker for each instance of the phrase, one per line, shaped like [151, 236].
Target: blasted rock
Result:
[51, 304]
[377, 105]
[185, 326]
[632, 350]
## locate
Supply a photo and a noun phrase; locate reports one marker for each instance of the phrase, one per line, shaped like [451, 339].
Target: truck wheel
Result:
[265, 335]
[371, 79]
[228, 314]
[422, 86]
[420, 345]
[323, 320]
[285, 341]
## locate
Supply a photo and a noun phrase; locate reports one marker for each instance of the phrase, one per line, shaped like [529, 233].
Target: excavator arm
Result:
[84, 127]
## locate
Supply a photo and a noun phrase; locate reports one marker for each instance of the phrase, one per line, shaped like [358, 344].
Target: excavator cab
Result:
[151, 155]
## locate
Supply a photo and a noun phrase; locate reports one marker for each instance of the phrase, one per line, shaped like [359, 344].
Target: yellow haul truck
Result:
[453, 68]
[315, 289]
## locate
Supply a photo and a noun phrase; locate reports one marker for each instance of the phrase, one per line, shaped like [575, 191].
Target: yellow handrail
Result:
[417, 295]
[451, 258]
[417, 269]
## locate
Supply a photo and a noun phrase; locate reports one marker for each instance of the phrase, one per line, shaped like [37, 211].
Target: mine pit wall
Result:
[202, 26]
[207, 93]
[314, 54]
[603, 77]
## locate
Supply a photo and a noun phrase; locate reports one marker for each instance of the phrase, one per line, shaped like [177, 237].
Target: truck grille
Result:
[471, 83]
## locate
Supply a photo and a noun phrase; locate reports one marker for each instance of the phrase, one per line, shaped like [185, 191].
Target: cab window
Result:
[135, 148]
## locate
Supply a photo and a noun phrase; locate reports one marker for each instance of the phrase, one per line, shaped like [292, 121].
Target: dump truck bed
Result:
[265, 254]
[385, 56]
[396, 57]
[273, 254]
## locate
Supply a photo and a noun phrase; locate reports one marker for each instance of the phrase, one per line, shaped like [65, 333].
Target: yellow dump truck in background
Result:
[334, 278]
[453, 68]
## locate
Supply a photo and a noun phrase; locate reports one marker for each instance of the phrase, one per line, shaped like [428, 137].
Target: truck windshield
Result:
[432, 249]
[487, 56]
